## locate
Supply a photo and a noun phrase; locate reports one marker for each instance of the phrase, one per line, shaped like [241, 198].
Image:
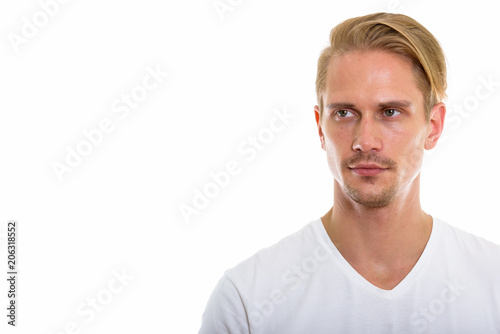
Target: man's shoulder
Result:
[272, 261]
[471, 244]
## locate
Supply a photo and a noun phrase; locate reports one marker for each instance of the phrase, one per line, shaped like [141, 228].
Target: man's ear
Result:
[435, 126]
[318, 123]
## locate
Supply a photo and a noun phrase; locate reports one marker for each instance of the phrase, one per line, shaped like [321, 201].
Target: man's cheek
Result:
[413, 156]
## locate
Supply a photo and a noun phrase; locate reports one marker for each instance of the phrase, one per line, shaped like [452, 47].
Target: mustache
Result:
[369, 157]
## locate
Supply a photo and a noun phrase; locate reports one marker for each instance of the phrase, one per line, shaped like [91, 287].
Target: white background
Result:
[118, 210]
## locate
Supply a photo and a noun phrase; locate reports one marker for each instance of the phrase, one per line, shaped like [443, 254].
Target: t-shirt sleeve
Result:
[225, 312]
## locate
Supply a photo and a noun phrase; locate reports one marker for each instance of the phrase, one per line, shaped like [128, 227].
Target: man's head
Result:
[379, 85]
[394, 33]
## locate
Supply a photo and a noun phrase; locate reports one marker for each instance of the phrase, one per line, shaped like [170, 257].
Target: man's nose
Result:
[367, 135]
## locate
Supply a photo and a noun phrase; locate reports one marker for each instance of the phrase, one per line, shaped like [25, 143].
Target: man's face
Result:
[373, 126]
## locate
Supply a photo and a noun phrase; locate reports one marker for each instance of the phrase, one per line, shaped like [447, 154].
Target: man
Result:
[376, 262]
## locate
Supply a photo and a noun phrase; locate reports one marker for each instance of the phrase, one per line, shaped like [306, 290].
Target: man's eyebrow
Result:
[339, 105]
[381, 105]
[395, 103]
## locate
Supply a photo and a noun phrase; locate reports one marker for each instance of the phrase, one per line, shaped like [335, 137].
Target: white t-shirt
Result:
[302, 284]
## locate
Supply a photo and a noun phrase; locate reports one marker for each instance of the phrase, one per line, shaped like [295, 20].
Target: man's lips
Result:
[367, 169]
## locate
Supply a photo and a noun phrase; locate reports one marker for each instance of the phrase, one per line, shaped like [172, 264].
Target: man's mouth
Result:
[368, 169]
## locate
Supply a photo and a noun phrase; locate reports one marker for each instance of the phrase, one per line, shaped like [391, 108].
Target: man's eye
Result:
[343, 113]
[391, 112]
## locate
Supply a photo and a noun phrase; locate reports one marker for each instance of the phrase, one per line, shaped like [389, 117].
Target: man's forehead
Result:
[375, 77]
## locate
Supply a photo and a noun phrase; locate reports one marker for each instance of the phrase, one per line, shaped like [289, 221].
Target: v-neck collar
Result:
[347, 269]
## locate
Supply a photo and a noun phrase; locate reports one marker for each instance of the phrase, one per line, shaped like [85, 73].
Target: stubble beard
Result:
[378, 199]
[382, 197]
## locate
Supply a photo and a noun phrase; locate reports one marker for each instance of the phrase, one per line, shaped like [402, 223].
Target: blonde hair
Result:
[395, 33]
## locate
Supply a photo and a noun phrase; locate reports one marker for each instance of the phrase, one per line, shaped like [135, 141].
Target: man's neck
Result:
[382, 244]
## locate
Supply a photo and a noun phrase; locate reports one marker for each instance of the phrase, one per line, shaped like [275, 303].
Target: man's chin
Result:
[379, 199]
[373, 203]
